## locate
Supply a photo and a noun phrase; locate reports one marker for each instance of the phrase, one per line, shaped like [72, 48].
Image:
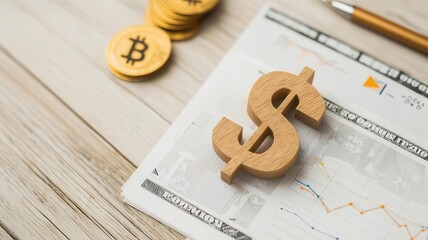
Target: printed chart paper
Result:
[363, 175]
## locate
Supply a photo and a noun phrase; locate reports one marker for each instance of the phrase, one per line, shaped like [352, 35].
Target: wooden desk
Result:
[71, 133]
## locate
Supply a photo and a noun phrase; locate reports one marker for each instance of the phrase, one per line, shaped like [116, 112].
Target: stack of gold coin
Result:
[179, 18]
[138, 51]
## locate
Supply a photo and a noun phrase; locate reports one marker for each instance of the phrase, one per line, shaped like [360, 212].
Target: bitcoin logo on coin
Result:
[272, 97]
[133, 49]
[138, 51]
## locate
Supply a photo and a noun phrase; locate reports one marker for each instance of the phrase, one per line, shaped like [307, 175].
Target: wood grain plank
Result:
[127, 16]
[58, 178]
[91, 40]
[109, 109]
[186, 69]
[5, 235]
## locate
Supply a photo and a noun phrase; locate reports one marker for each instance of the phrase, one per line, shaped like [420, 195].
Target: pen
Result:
[381, 25]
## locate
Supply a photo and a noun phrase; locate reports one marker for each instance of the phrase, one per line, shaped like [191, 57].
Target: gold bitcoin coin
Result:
[138, 50]
[176, 35]
[191, 7]
[163, 23]
[121, 76]
[129, 78]
[169, 18]
[184, 34]
[159, 5]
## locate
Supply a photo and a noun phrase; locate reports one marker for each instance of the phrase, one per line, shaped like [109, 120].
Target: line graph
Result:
[325, 172]
[308, 188]
[321, 164]
[309, 225]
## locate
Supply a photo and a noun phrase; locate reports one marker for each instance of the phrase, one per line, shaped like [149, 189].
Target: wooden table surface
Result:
[71, 133]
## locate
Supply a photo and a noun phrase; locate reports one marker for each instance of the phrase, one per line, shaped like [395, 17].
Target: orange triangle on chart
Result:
[371, 83]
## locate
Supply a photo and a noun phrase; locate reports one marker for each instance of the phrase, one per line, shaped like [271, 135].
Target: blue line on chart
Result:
[308, 186]
[381, 91]
[309, 225]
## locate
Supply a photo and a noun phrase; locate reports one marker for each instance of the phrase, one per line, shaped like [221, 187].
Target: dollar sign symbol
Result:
[292, 92]
[133, 49]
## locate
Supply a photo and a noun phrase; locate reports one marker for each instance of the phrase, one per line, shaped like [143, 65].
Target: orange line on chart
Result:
[308, 188]
[323, 169]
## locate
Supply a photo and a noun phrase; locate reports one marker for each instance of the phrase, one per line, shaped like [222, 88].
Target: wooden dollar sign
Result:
[292, 92]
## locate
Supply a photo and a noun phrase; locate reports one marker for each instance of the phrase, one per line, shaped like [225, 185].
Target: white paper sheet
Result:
[363, 175]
